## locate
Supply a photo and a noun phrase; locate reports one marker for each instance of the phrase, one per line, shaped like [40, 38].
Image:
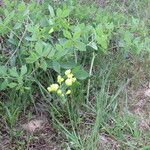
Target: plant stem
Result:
[90, 73]
[76, 58]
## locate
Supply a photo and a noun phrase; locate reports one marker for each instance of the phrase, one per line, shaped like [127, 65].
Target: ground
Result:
[114, 115]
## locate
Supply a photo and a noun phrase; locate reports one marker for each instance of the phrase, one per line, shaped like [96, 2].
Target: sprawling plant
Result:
[36, 38]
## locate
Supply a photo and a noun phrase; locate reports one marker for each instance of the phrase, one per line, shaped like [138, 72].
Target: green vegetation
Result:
[80, 65]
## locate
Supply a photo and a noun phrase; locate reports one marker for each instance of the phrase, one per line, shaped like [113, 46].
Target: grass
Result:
[103, 111]
[107, 116]
[110, 116]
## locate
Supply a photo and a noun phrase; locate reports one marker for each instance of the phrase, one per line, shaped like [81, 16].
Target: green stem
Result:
[89, 80]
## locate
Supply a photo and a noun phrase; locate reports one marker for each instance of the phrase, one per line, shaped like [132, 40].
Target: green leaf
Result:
[17, 26]
[51, 10]
[44, 64]
[102, 41]
[21, 6]
[13, 72]
[51, 53]
[30, 28]
[81, 46]
[31, 38]
[128, 37]
[51, 30]
[93, 45]
[56, 66]
[80, 73]
[12, 84]
[76, 35]
[32, 58]
[3, 70]
[68, 65]
[51, 22]
[67, 34]
[68, 44]
[23, 70]
[9, 18]
[61, 51]
[65, 13]
[4, 84]
[39, 48]
[59, 12]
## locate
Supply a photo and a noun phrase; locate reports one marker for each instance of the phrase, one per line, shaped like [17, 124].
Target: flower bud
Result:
[60, 79]
[74, 79]
[59, 92]
[70, 75]
[67, 72]
[53, 88]
[68, 92]
[68, 82]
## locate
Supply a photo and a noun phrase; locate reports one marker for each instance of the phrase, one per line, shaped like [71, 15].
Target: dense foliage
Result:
[36, 37]
[40, 40]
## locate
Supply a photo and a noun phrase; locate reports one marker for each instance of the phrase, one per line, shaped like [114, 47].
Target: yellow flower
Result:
[59, 92]
[60, 79]
[70, 75]
[53, 88]
[67, 72]
[68, 82]
[74, 79]
[68, 92]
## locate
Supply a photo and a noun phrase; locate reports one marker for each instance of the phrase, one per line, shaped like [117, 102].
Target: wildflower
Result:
[67, 72]
[68, 92]
[70, 75]
[60, 79]
[53, 88]
[74, 79]
[68, 82]
[59, 92]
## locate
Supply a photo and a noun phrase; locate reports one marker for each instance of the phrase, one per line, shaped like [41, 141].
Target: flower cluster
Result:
[70, 78]
[62, 87]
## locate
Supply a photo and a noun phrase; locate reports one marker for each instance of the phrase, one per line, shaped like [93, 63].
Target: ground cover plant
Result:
[74, 75]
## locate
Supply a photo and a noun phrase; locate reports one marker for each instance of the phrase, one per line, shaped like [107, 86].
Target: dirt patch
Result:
[35, 134]
[33, 125]
[106, 142]
[140, 107]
